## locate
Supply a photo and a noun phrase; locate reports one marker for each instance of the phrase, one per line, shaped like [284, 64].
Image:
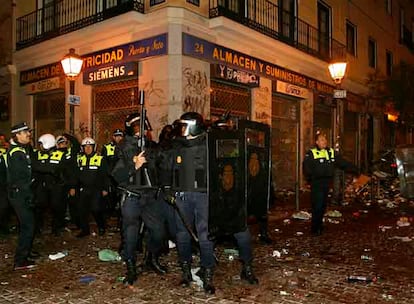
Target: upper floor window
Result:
[388, 7]
[195, 2]
[402, 23]
[388, 63]
[155, 2]
[351, 38]
[372, 53]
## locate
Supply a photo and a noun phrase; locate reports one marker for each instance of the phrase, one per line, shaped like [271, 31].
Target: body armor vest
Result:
[190, 168]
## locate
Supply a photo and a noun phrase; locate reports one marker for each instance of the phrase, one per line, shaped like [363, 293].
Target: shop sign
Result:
[205, 50]
[124, 71]
[234, 75]
[290, 89]
[134, 51]
[45, 85]
[41, 73]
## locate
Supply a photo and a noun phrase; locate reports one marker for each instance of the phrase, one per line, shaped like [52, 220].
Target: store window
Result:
[155, 2]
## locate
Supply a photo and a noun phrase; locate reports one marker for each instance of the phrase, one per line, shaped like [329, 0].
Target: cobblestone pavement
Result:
[309, 269]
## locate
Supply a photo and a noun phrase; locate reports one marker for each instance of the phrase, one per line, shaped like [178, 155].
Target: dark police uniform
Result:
[318, 167]
[109, 152]
[4, 202]
[140, 204]
[93, 180]
[190, 183]
[19, 178]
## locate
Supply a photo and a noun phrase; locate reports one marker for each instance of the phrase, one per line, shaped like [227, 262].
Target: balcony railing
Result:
[268, 19]
[63, 16]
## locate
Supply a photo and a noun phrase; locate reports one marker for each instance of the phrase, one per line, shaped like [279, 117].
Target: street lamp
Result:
[337, 71]
[72, 66]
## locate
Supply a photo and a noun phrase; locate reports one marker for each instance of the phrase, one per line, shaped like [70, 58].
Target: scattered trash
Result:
[277, 230]
[367, 250]
[353, 278]
[6, 256]
[285, 251]
[107, 255]
[93, 233]
[87, 279]
[4, 283]
[28, 276]
[299, 233]
[383, 228]
[171, 244]
[284, 293]
[197, 283]
[387, 297]
[120, 279]
[286, 221]
[58, 255]
[332, 221]
[403, 222]
[305, 254]
[302, 215]
[288, 273]
[276, 253]
[356, 214]
[402, 238]
[333, 213]
[391, 205]
[366, 258]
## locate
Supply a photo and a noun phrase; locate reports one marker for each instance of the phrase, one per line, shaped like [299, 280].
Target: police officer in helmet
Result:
[190, 183]
[139, 183]
[93, 186]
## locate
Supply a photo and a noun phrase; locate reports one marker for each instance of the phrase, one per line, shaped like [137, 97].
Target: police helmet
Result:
[88, 141]
[47, 141]
[132, 120]
[192, 124]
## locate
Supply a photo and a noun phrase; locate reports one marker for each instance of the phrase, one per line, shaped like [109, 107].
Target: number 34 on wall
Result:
[199, 48]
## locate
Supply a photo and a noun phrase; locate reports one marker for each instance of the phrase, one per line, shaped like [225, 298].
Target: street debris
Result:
[402, 238]
[403, 222]
[356, 278]
[333, 213]
[86, 279]
[107, 255]
[58, 255]
[366, 257]
[383, 228]
[302, 215]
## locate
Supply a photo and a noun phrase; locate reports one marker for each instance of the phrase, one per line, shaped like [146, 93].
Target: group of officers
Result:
[159, 186]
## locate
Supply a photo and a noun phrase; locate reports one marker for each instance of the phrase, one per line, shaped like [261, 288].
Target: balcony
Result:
[267, 18]
[64, 16]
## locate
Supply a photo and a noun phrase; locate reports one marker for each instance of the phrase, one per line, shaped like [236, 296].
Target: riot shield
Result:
[405, 167]
[257, 164]
[227, 206]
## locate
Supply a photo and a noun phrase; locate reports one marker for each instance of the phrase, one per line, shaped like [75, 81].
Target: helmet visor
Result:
[186, 126]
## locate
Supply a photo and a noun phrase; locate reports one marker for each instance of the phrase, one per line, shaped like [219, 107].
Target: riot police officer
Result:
[93, 186]
[190, 183]
[139, 184]
[19, 178]
[111, 156]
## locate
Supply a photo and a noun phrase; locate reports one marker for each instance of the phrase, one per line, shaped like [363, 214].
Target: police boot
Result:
[152, 261]
[247, 274]
[186, 277]
[131, 275]
[264, 237]
[207, 278]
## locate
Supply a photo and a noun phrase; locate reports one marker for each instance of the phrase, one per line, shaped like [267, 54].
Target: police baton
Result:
[171, 199]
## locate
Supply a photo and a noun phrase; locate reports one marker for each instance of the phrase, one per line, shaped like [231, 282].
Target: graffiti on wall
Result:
[157, 106]
[195, 91]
